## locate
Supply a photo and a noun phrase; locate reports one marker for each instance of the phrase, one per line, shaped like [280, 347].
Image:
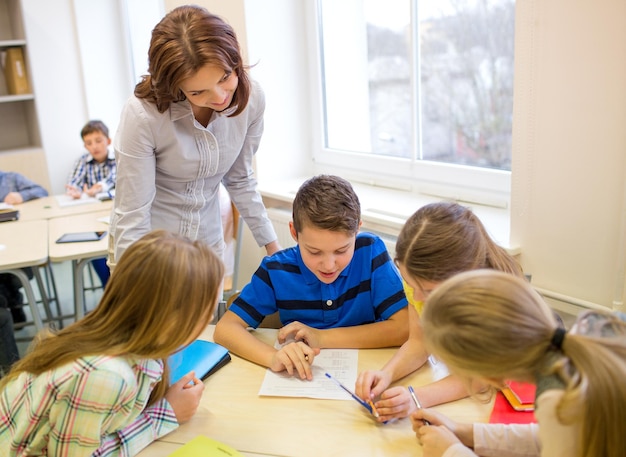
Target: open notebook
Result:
[203, 357]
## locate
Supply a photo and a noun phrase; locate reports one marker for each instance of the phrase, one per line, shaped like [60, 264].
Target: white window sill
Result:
[385, 210]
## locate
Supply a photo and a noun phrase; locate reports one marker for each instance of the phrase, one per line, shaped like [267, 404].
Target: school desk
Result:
[78, 253]
[25, 244]
[48, 208]
[231, 411]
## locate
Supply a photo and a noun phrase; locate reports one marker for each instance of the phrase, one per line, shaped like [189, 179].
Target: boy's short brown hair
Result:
[327, 202]
[94, 126]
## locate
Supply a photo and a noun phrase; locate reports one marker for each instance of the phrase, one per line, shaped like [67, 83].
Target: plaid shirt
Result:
[93, 406]
[88, 171]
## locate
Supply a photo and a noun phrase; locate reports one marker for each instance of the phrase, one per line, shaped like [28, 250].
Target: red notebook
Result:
[503, 413]
[520, 395]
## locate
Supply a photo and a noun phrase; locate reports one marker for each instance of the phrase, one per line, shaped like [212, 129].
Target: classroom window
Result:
[417, 89]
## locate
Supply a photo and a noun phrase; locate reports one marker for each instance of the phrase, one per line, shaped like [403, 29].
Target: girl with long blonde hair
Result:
[100, 385]
[492, 327]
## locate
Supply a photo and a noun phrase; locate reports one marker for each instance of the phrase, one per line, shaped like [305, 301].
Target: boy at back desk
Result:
[94, 172]
[336, 288]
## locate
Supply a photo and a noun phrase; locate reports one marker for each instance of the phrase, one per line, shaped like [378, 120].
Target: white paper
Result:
[5, 206]
[341, 364]
[66, 200]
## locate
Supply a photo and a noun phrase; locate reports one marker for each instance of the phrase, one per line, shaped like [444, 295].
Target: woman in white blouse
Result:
[194, 121]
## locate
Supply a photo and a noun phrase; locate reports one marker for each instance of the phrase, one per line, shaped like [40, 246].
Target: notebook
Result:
[503, 413]
[201, 446]
[203, 357]
[9, 214]
[520, 395]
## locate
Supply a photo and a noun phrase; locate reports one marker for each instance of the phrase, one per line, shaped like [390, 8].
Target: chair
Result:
[271, 321]
[230, 282]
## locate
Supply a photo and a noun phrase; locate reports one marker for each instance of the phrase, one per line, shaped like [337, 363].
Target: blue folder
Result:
[203, 357]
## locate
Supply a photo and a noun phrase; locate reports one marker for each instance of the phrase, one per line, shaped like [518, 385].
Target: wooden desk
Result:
[78, 253]
[231, 411]
[48, 208]
[25, 244]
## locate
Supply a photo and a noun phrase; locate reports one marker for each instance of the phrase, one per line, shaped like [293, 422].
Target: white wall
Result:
[57, 82]
[569, 136]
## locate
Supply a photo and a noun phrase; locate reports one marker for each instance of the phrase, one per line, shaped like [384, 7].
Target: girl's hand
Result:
[297, 358]
[184, 396]
[435, 440]
[443, 428]
[371, 383]
[395, 403]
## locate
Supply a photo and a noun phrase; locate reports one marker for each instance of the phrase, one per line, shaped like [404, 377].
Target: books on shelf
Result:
[15, 72]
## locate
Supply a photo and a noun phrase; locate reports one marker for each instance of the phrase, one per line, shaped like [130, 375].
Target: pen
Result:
[417, 403]
[353, 395]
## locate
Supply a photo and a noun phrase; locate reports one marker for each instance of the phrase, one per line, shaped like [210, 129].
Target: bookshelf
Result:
[19, 128]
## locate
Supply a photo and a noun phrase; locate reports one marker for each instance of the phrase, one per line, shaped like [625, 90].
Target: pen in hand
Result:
[367, 405]
[417, 403]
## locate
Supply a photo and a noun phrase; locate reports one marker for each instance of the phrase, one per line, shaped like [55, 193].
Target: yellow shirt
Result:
[408, 291]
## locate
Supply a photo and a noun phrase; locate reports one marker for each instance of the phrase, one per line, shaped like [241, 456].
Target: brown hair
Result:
[185, 40]
[490, 324]
[445, 238]
[327, 202]
[94, 126]
[162, 293]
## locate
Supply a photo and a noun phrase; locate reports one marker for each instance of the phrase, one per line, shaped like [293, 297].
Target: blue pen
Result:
[353, 395]
[417, 403]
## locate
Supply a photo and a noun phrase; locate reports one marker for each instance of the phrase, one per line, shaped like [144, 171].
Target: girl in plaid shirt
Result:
[99, 387]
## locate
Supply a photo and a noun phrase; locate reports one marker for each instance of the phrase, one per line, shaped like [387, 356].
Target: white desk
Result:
[48, 208]
[78, 253]
[231, 411]
[25, 244]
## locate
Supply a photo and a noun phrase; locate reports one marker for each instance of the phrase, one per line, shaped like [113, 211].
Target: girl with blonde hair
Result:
[100, 386]
[490, 326]
[438, 241]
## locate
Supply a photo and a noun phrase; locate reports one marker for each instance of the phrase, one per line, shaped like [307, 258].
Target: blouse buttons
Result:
[329, 303]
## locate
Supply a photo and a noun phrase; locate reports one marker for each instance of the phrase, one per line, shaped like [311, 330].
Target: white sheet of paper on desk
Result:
[342, 364]
[66, 200]
[5, 206]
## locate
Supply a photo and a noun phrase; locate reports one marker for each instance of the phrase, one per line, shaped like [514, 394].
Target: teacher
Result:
[194, 121]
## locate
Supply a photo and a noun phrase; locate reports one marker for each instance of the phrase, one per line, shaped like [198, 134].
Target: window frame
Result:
[450, 181]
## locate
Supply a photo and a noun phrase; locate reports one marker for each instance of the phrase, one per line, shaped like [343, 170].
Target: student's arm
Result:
[397, 402]
[388, 333]
[135, 187]
[408, 358]
[28, 189]
[232, 333]
[76, 178]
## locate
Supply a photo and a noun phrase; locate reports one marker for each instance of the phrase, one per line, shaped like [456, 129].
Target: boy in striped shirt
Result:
[336, 288]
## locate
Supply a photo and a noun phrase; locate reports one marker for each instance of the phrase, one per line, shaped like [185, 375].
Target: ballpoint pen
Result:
[417, 403]
[367, 405]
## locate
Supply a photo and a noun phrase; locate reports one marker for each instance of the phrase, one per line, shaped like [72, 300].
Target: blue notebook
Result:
[203, 357]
